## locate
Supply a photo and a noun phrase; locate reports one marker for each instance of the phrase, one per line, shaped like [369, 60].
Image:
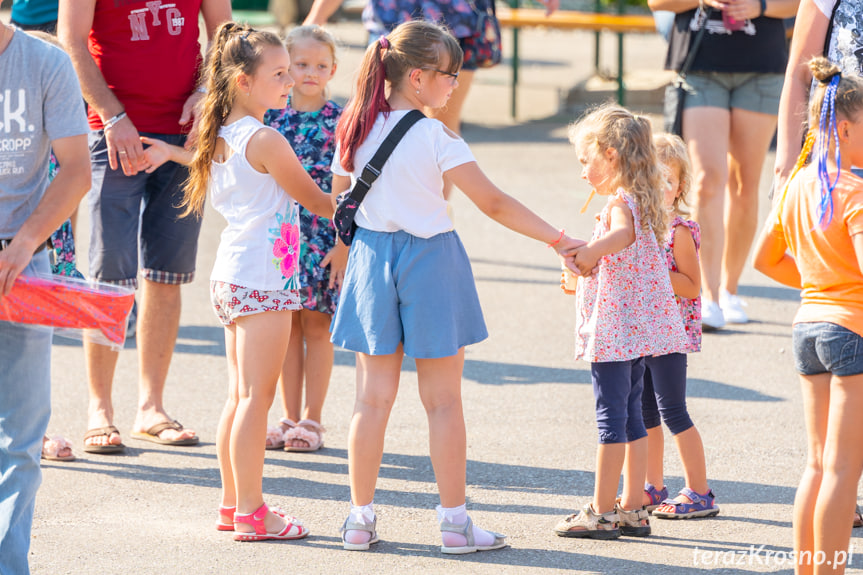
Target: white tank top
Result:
[260, 248]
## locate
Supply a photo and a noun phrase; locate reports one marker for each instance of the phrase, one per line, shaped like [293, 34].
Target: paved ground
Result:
[528, 406]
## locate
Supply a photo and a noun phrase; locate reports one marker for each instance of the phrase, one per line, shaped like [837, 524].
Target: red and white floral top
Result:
[627, 309]
[690, 309]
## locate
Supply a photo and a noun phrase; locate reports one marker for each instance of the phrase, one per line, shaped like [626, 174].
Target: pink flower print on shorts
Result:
[286, 248]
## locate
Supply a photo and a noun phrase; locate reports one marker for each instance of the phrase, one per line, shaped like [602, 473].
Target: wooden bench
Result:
[620, 24]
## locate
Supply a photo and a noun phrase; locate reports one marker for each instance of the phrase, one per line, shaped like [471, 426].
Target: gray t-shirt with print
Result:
[40, 101]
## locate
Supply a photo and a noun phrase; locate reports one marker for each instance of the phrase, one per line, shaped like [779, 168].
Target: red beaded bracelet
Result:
[557, 241]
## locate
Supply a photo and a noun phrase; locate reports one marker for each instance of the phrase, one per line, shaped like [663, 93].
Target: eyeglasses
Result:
[453, 75]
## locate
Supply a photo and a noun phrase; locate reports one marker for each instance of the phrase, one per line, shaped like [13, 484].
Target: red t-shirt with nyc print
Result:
[149, 54]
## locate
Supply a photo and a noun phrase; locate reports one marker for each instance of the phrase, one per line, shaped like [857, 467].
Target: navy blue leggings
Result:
[617, 387]
[665, 393]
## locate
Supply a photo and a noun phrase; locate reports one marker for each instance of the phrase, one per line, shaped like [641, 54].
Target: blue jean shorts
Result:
[126, 210]
[399, 288]
[744, 91]
[823, 347]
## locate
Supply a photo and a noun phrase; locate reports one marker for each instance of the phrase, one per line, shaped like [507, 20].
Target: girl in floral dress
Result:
[309, 124]
[625, 311]
[664, 397]
[247, 168]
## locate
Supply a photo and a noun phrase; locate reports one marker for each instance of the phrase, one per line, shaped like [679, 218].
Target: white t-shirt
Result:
[408, 195]
[260, 247]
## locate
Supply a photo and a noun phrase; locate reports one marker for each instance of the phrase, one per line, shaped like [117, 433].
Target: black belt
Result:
[5, 244]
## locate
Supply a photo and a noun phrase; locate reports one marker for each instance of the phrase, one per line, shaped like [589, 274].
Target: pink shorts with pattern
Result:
[232, 301]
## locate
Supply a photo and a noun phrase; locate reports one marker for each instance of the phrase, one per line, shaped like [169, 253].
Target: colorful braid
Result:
[802, 161]
[827, 127]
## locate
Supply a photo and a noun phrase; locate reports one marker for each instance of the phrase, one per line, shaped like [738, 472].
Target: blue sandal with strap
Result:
[702, 505]
[657, 496]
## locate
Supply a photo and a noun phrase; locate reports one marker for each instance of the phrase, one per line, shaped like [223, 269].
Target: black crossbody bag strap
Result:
[373, 169]
[693, 50]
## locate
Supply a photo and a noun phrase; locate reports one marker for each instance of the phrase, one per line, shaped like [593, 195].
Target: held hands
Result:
[124, 147]
[156, 154]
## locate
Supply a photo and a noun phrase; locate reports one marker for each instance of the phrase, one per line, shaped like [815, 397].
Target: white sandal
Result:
[466, 530]
[353, 526]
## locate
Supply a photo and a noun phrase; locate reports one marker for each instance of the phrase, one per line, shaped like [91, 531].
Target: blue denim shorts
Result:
[745, 91]
[126, 210]
[399, 288]
[823, 347]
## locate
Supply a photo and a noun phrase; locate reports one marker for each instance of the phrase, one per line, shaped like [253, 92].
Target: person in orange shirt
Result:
[813, 241]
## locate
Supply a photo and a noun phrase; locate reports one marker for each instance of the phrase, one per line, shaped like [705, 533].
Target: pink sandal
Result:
[294, 529]
[51, 448]
[306, 430]
[222, 526]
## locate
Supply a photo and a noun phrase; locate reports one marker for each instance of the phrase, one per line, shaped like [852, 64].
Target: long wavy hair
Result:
[637, 169]
[414, 44]
[236, 50]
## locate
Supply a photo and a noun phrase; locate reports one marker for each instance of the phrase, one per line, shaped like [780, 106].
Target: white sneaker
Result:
[711, 316]
[732, 308]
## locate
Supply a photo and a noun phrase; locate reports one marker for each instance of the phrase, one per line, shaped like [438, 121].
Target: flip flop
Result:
[152, 434]
[103, 449]
[52, 447]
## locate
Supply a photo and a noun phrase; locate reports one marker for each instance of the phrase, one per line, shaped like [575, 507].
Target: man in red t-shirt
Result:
[139, 63]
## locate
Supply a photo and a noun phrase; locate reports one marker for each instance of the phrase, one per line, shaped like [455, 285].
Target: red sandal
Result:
[294, 529]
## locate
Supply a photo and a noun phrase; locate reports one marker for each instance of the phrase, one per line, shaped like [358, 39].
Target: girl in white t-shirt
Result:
[246, 167]
[408, 288]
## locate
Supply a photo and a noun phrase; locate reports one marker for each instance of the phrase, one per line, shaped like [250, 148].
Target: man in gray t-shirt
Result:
[40, 108]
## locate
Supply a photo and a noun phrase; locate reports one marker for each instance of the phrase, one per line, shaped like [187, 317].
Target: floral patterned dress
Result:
[690, 309]
[627, 309]
[312, 136]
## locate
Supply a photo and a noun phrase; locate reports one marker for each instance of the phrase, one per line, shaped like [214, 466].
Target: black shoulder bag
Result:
[675, 93]
[350, 203]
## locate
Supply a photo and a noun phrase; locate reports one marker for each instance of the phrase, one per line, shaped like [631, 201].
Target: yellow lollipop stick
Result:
[587, 203]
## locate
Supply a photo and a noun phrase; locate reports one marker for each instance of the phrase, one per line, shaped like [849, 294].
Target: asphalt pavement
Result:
[528, 404]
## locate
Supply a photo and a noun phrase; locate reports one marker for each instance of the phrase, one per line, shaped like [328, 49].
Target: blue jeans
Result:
[25, 407]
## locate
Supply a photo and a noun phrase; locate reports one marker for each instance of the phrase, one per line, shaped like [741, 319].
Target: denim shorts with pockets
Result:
[823, 347]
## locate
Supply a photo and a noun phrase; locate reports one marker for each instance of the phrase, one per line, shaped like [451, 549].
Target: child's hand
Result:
[585, 261]
[337, 259]
[156, 153]
[567, 245]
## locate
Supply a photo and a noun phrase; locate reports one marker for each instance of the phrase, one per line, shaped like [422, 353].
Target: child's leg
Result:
[655, 437]
[843, 463]
[377, 386]
[816, 404]
[669, 382]
[261, 341]
[319, 361]
[612, 388]
[223, 435]
[635, 468]
[440, 392]
[291, 377]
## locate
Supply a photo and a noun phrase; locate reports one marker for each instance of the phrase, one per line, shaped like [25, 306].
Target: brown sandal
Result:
[106, 431]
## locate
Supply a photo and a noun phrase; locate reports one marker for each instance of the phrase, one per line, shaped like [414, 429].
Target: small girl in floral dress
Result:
[664, 397]
[309, 124]
[625, 311]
